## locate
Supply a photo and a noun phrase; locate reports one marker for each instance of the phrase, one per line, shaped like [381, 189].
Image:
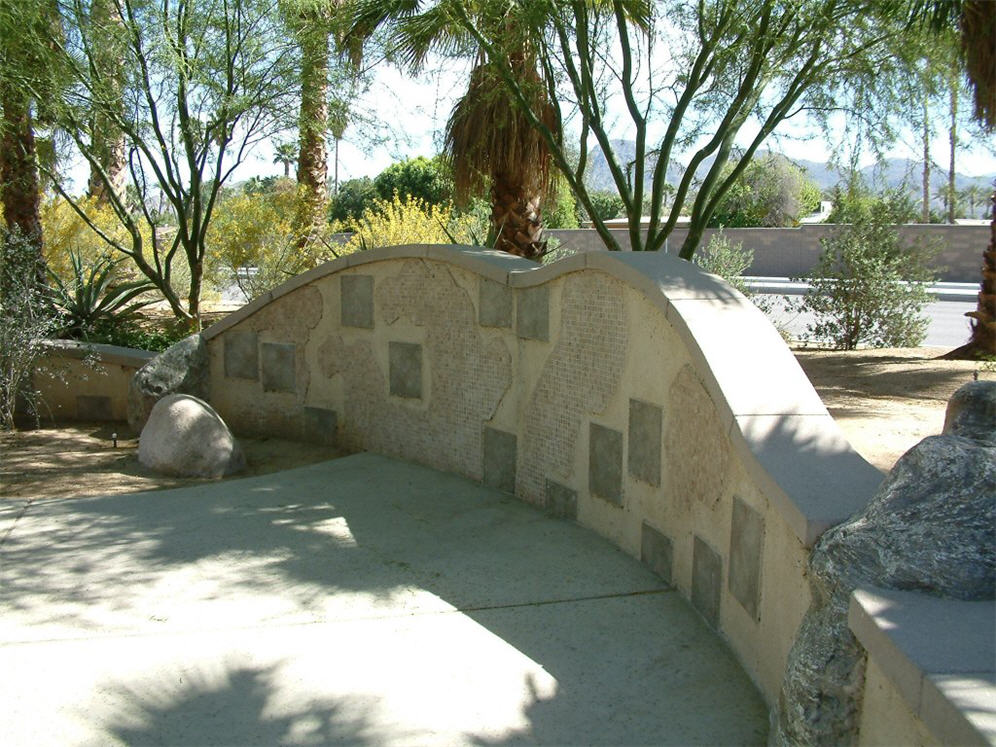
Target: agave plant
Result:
[92, 296]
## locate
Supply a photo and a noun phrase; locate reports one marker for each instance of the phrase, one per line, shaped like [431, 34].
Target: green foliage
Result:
[606, 205]
[26, 319]
[93, 295]
[354, 197]
[771, 192]
[855, 202]
[428, 180]
[133, 333]
[867, 289]
[730, 261]
[561, 210]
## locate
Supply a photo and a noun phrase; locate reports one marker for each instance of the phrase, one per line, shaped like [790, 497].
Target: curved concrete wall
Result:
[646, 399]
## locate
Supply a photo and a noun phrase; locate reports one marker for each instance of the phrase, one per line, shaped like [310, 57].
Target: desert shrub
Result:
[136, 333]
[409, 221]
[606, 205]
[868, 289]
[771, 191]
[252, 242]
[560, 210]
[730, 261]
[855, 202]
[93, 296]
[26, 319]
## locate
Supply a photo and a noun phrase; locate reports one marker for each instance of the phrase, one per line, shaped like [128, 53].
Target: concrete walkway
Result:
[359, 601]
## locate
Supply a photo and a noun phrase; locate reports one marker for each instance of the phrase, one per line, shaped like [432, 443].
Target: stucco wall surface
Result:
[631, 392]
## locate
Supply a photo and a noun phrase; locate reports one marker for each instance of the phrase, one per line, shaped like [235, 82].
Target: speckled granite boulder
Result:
[180, 369]
[184, 436]
[930, 528]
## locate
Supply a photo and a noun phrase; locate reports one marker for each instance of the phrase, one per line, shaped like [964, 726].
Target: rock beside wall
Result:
[930, 528]
[185, 437]
[182, 368]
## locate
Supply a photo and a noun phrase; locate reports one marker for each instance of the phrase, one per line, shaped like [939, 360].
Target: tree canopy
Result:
[695, 78]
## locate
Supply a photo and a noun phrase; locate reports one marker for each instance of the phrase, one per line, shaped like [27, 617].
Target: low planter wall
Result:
[87, 381]
[931, 673]
[631, 392]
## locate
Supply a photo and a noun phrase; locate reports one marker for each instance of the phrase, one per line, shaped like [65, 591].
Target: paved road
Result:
[948, 325]
[362, 600]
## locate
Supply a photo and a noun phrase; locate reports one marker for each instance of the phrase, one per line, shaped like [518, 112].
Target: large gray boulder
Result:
[185, 437]
[180, 369]
[930, 528]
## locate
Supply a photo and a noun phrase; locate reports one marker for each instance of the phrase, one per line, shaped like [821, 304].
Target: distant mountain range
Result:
[891, 173]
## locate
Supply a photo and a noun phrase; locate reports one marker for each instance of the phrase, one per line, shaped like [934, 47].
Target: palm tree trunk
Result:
[925, 206]
[983, 341]
[953, 142]
[107, 140]
[19, 188]
[517, 219]
[312, 170]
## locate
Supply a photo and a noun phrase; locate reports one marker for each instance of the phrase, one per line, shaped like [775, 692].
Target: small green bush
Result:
[867, 289]
[728, 260]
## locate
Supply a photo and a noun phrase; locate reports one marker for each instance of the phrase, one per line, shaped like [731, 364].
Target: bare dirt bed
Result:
[884, 400]
[887, 400]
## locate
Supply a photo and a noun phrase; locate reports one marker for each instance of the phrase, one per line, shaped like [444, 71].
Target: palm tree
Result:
[489, 138]
[315, 24]
[976, 22]
[285, 154]
[22, 83]
[108, 170]
[972, 194]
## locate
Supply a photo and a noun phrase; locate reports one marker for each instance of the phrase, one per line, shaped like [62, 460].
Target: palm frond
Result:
[978, 43]
[488, 134]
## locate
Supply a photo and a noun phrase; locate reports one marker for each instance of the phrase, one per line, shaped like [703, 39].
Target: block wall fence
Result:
[630, 392]
[793, 252]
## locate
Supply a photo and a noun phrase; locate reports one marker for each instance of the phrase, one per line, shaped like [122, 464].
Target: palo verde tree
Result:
[203, 83]
[688, 78]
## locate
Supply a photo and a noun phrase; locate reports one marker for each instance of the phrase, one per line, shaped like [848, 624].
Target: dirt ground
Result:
[885, 401]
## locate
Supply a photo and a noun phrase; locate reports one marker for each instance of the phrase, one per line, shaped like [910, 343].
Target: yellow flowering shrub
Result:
[64, 229]
[408, 221]
[252, 242]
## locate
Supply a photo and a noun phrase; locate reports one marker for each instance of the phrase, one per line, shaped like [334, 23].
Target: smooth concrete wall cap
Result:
[113, 354]
[663, 274]
[540, 274]
[808, 468]
[382, 253]
[755, 370]
[940, 654]
[493, 265]
[237, 316]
